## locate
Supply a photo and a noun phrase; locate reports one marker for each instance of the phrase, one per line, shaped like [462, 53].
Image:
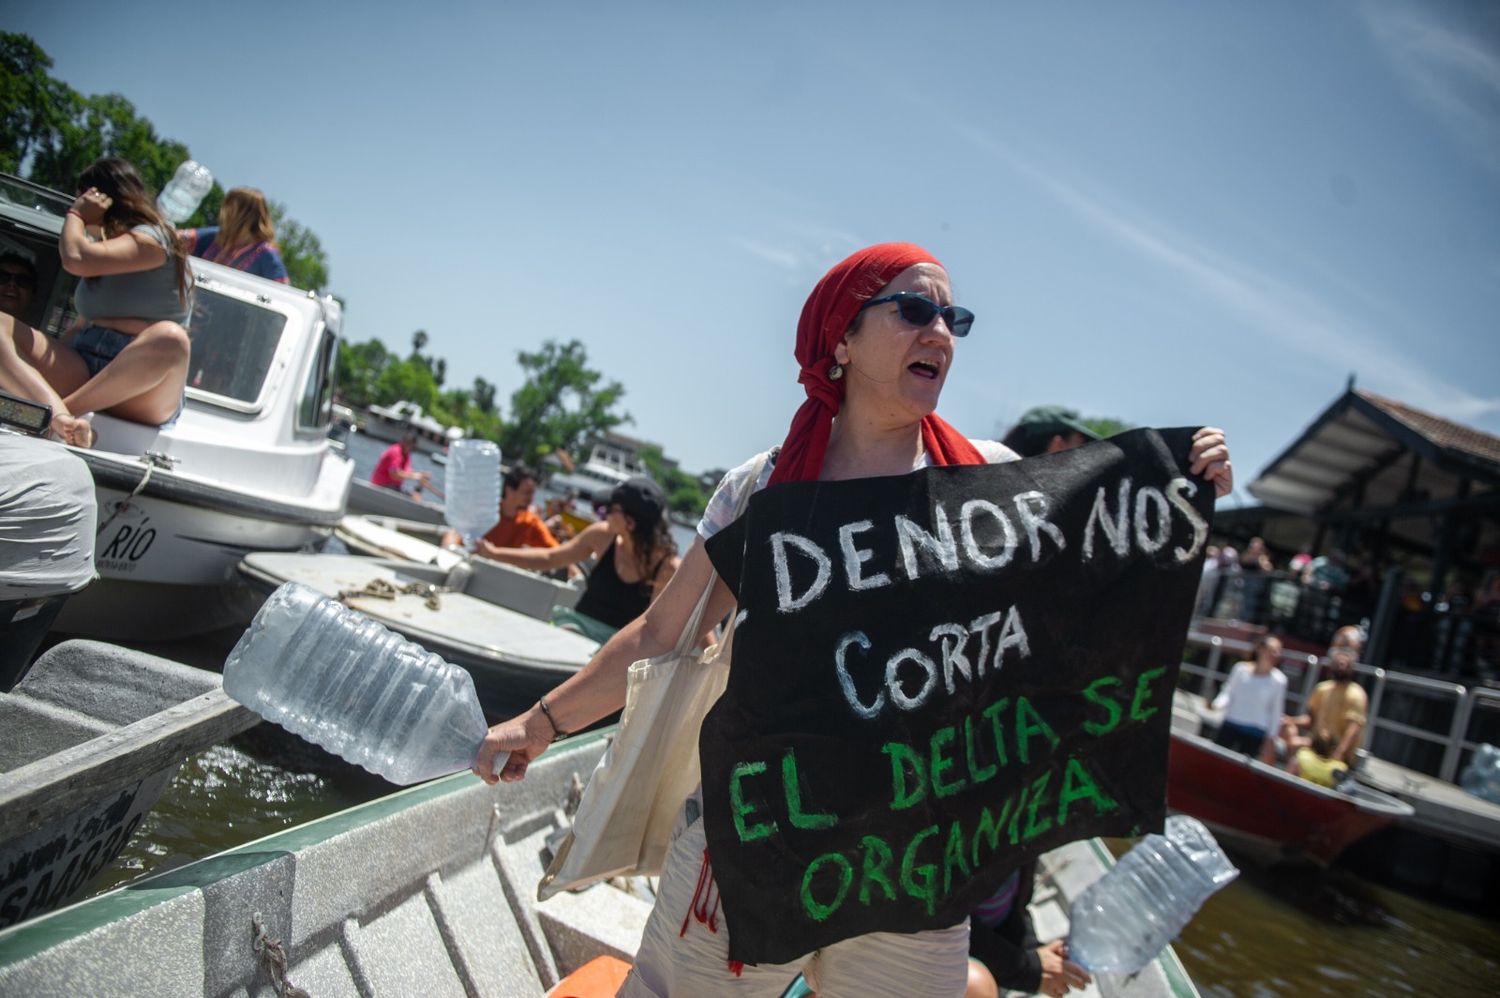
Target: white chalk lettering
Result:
[1116, 527]
[1147, 541]
[1031, 507]
[913, 535]
[972, 549]
[846, 682]
[1012, 635]
[854, 558]
[951, 639]
[780, 541]
[981, 626]
[893, 678]
[1179, 491]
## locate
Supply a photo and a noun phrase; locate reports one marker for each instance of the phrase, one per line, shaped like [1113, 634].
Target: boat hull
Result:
[1276, 816]
[376, 500]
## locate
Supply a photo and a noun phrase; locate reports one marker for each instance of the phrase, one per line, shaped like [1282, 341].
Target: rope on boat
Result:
[385, 589]
[273, 959]
[123, 504]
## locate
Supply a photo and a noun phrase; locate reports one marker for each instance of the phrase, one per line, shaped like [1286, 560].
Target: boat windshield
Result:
[234, 342]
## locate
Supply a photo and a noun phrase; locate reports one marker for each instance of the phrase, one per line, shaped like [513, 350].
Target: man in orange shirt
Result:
[519, 526]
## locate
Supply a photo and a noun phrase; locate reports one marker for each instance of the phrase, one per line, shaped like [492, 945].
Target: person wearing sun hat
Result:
[874, 346]
[1048, 429]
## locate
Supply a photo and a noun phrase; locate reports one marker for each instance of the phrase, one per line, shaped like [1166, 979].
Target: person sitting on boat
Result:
[17, 284]
[557, 512]
[393, 469]
[1315, 763]
[128, 353]
[519, 526]
[1253, 700]
[244, 239]
[1337, 709]
[1005, 953]
[635, 554]
[874, 346]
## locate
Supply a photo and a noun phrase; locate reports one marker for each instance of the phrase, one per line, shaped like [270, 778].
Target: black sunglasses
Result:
[19, 279]
[919, 310]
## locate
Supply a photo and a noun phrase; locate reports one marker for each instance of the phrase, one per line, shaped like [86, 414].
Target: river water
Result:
[1283, 931]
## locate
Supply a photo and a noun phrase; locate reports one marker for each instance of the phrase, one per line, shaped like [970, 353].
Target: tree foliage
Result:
[684, 492]
[561, 403]
[52, 132]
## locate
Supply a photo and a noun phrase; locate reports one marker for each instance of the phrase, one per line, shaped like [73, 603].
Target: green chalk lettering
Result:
[1015, 816]
[977, 773]
[941, 764]
[992, 714]
[953, 856]
[1143, 693]
[740, 808]
[988, 831]
[1029, 723]
[908, 776]
[1038, 794]
[876, 861]
[1093, 694]
[815, 909]
[922, 890]
[793, 789]
[1079, 785]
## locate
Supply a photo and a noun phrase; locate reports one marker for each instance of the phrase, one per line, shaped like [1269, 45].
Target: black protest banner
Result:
[939, 676]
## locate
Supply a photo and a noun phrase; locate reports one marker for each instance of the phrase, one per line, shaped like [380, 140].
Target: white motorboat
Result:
[367, 497]
[389, 422]
[487, 617]
[246, 467]
[612, 459]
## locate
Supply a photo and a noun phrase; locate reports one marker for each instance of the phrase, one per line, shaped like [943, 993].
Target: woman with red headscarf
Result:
[874, 344]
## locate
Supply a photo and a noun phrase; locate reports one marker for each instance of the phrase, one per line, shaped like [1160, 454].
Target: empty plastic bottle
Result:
[183, 193]
[472, 484]
[1125, 918]
[1481, 777]
[337, 678]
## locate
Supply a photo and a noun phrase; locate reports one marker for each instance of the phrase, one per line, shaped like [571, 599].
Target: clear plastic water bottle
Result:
[183, 193]
[1125, 918]
[472, 485]
[1481, 777]
[337, 678]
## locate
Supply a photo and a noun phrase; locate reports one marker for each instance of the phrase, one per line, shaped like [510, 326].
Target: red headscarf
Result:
[829, 310]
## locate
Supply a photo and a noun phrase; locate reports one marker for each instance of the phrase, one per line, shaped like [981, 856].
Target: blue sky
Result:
[1170, 213]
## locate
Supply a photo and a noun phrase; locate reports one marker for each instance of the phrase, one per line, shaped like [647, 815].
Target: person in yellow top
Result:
[1338, 708]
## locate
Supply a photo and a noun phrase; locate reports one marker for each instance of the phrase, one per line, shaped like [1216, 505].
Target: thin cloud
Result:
[783, 257]
[1301, 322]
[1455, 75]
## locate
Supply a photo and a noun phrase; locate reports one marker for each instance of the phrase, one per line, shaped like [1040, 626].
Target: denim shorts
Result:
[98, 345]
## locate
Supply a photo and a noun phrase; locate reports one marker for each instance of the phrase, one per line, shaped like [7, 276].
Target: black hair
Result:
[520, 474]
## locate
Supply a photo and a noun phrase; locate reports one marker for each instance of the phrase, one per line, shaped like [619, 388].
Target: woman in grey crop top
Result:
[128, 353]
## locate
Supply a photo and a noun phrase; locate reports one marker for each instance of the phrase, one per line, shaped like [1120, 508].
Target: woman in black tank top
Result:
[635, 556]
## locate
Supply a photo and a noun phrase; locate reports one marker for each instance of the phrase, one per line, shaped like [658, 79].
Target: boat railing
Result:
[1454, 700]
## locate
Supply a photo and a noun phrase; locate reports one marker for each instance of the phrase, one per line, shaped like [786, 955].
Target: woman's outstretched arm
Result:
[599, 687]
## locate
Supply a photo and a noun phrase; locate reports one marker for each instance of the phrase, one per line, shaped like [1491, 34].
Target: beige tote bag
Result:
[632, 801]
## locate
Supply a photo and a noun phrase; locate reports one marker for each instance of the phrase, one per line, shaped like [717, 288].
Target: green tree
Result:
[483, 395]
[561, 403]
[33, 105]
[684, 492]
[301, 249]
[359, 367]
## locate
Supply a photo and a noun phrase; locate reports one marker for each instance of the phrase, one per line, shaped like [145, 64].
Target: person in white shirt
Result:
[1253, 699]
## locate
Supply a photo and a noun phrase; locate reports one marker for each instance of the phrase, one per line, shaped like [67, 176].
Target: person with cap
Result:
[634, 556]
[1048, 429]
[874, 344]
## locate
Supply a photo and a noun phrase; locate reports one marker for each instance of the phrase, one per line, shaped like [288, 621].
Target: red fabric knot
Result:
[705, 903]
[826, 315]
